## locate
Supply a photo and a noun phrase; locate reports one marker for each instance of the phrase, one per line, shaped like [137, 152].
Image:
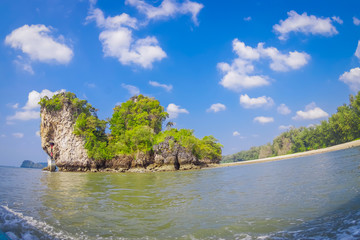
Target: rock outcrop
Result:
[68, 150]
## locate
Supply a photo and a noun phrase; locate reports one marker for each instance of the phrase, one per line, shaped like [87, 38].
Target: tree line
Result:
[341, 127]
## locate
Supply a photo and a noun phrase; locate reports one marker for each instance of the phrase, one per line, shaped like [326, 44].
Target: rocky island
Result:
[31, 164]
[78, 140]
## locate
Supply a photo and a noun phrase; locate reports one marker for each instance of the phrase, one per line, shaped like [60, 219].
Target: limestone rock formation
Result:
[69, 153]
[57, 127]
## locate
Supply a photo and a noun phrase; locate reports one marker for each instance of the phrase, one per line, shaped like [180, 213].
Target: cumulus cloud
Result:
[118, 42]
[357, 51]
[168, 88]
[24, 115]
[174, 110]
[131, 89]
[37, 42]
[285, 127]
[167, 9]
[311, 112]
[34, 98]
[283, 109]
[18, 135]
[352, 78]
[305, 24]
[217, 107]
[263, 120]
[31, 109]
[356, 21]
[37, 133]
[238, 75]
[247, 102]
[284, 62]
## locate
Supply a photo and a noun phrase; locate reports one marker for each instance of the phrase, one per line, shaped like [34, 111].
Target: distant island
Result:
[342, 127]
[31, 164]
[78, 140]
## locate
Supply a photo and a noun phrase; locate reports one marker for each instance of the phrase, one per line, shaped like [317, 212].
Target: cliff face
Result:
[68, 150]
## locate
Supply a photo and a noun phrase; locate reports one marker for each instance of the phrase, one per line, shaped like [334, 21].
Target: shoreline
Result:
[342, 146]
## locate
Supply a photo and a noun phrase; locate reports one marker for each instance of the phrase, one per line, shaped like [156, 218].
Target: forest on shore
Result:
[341, 127]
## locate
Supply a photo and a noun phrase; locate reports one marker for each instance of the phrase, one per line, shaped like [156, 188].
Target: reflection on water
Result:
[271, 200]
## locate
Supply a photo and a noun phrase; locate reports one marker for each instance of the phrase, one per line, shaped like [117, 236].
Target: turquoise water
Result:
[315, 197]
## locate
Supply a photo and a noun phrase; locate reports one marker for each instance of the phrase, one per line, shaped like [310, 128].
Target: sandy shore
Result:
[295, 155]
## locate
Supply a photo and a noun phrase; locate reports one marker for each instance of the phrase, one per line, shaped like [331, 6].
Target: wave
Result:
[18, 226]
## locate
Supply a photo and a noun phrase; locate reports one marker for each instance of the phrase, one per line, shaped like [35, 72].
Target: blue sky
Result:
[243, 71]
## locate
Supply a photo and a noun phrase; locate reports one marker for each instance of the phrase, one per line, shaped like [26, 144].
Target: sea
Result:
[313, 197]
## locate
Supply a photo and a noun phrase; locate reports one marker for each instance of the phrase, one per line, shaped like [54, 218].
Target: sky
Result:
[242, 71]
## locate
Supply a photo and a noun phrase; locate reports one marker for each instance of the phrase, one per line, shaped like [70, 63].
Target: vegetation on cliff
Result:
[341, 127]
[135, 126]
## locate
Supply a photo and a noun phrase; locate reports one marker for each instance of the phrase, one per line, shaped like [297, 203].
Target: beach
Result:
[342, 146]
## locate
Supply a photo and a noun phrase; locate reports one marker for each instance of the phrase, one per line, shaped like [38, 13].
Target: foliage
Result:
[138, 111]
[56, 103]
[205, 148]
[341, 127]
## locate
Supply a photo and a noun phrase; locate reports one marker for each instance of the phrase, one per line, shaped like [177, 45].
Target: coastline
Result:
[342, 146]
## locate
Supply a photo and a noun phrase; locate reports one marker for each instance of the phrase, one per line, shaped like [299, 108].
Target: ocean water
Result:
[315, 197]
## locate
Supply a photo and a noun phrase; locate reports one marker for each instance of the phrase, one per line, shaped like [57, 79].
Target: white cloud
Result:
[174, 110]
[39, 45]
[283, 109]
[285, 127]
[167, 8]
[258, 102]
[236, 133]
[2, 135]
[263, 119]
[305, 24]
[24, 115]
[311, 112]
[14, 106]
[245, 52]
[238, 75]
[18, 135]
[132, 89]
[37, 133]
[284, 62]
[247, 19]
[24, 64]
[356, 21]
[28, 111]
[118, 42]
[217, 107]
[34, 98]
[168, 88]
[352, 78]
[337, 19]
[357, 51]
